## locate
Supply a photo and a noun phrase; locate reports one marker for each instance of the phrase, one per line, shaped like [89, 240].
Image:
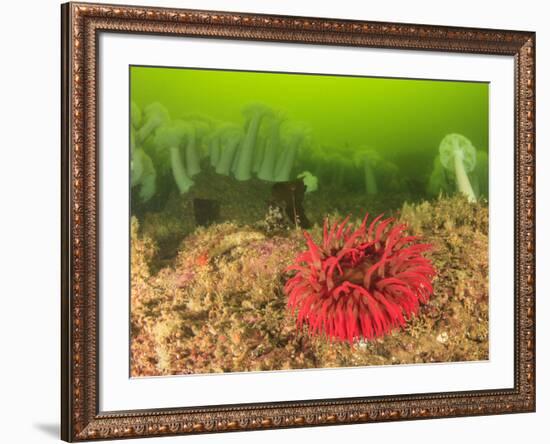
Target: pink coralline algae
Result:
[359, 283]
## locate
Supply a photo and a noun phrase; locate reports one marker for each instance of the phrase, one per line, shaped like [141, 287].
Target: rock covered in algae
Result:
[219, 307]
[143, 300]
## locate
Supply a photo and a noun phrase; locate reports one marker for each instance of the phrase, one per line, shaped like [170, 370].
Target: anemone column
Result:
[267, 168]
[458, 155]
[173, 138]
[154, 115]
[230, 138]
[296, 134]
[243, 166]
[369, 160]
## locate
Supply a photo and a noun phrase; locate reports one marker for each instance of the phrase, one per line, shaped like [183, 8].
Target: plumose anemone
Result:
[458, 155]
[174, 137]
[310, 181]
[297, 134]
[272, 146]
[143, 174]
[369, 160]
[229, 138]
[254, 114]
[153, 116]
[359, 283]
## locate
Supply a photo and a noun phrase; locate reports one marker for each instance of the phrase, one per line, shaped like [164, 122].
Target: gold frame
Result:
[81, 25]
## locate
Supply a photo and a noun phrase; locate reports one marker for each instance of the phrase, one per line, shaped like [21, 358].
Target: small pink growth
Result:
[202, 260]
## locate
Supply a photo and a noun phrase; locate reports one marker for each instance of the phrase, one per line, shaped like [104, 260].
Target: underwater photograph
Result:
[285, 221]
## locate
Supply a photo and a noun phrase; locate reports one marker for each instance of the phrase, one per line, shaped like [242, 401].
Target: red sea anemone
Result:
[359, 283]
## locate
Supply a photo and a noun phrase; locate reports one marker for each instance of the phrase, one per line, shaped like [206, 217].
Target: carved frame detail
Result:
[81, 26]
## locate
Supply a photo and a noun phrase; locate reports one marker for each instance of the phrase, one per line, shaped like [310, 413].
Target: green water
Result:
[402, 120]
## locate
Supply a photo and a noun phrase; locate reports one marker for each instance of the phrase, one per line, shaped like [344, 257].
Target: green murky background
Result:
[403, 119]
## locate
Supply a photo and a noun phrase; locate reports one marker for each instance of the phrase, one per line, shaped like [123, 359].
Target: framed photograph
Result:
[273, 221]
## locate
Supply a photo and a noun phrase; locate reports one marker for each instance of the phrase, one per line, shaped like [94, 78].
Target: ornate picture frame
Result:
[81, 416]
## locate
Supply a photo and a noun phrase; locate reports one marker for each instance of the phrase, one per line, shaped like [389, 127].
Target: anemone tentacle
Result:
[359, 283]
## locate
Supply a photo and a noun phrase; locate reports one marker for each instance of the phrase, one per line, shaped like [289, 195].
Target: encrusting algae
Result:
[220, 306]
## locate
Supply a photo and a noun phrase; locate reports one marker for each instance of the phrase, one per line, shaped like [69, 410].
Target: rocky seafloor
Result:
[210, 298]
